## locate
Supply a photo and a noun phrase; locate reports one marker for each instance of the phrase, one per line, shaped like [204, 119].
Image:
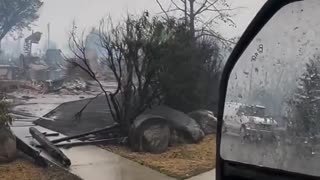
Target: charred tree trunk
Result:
[192, 19]
[49, 147]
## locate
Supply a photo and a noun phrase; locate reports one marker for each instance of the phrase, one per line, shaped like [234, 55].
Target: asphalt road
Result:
[274, 155]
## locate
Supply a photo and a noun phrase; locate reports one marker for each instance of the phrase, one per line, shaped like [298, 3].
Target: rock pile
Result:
[158, 128]
[206, 121]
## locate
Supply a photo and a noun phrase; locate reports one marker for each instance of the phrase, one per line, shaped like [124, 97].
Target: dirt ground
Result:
[23, 169]
[180, 162]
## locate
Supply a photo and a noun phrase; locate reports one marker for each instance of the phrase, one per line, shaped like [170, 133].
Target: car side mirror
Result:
[275, 66]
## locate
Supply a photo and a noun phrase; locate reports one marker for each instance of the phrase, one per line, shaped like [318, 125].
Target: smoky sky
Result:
[87, 13]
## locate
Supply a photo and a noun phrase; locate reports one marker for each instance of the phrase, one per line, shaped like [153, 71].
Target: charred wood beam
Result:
[49, 147]
[109, 129]
[34, 154]
[94, 142]
[25, 120]
[48, 134]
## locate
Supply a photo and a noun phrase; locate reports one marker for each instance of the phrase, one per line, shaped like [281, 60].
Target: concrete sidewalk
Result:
[93, 163]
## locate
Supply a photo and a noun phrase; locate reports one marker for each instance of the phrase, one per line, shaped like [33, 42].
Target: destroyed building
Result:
[8, 72]
[36, 68]
[54, 59]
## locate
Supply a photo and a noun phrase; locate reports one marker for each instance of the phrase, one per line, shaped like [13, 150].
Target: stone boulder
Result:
[8, 148]
[181, 123]
[156, 138]
[206, 121]
[178, 137]
[149, 133]
[157, 128]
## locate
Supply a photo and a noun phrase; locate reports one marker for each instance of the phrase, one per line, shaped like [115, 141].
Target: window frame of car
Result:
[226, 169]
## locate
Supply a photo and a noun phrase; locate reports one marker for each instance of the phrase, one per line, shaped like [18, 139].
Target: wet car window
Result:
[271, 115]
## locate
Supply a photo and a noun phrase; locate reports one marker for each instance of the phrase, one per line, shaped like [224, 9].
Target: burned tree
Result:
[199, 18]
[129, 50]
[194, 13]
[15, 15]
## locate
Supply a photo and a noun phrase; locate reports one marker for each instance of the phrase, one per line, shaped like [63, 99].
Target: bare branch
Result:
[164, 11]
[201, 7]
[80, 46]
[179, 8]
[112, 56]
[205, 8]
[79, 114]
[204, 32]
[219, 10]
[172, 10]
[212, 7]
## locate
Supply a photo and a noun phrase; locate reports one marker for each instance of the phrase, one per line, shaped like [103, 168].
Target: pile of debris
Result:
[45, 142]
[24, 87]
[52, 147]
[32, 87]
[72, 87]
[61, 86]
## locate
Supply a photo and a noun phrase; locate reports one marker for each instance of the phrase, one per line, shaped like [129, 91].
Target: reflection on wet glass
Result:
[273, 98]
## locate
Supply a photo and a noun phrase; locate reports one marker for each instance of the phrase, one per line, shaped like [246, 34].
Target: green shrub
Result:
[5, 118]
[190, 71]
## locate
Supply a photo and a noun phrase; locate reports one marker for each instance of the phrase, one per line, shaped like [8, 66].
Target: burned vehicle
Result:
[249, 122]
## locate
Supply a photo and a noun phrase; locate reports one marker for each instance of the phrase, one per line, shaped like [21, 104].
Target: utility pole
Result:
[48, 35]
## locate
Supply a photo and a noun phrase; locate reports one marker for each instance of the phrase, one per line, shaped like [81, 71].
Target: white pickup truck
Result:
[248, 121]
